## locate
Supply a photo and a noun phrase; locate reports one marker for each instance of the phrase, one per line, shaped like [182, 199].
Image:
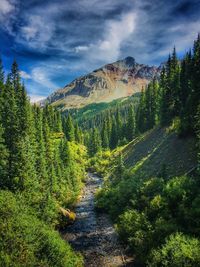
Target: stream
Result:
[93, 234]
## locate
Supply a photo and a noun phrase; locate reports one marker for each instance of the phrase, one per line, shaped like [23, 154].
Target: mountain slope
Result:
[149, 153]
[120, 79]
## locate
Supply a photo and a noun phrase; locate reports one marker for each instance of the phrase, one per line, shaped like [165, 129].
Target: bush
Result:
[135, 228]
[27, 241]
[178, 251]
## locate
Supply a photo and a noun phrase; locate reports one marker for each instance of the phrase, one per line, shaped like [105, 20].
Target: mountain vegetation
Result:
[42, 167]
[147, 147]
[113, 81]
[157, 212]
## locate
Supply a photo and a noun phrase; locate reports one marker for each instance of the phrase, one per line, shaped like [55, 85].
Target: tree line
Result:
[113, 127]
[175, 97]
[42, 165]
[171, 99]
[159, 217]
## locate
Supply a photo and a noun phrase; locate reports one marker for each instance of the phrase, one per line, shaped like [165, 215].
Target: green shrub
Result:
[27, 241]
[178, 251]
[134, 228]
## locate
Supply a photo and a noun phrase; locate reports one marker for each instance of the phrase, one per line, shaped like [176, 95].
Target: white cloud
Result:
[116, 33]
[81, 48]
[25, 75]
[41, 76]
[6, 7]
[36, 98]
[37, 31]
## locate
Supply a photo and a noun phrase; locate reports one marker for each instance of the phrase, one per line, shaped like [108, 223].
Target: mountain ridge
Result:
[109, 82]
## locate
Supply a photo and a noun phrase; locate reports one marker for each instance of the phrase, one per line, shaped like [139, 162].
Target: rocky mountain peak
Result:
[115, 80]
[129, 61]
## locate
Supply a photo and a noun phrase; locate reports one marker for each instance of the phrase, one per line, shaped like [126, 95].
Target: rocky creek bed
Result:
[93, 234]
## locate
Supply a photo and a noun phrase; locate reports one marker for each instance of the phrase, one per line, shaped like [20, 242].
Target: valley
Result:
[105, 172]
[93, 234]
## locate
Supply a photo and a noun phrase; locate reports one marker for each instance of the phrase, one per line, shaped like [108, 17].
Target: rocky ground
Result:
[93, 233]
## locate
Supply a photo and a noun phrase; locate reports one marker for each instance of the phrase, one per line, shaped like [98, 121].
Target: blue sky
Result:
[56, 41]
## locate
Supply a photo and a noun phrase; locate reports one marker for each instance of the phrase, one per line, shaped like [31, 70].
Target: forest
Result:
[45, 156]
[159, 217]
[42, 168]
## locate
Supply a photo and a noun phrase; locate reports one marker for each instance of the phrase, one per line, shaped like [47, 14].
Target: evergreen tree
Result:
[105, 133]
[118, 125]
[195, 94]
[141, 117]
[11, 133]
[114, 136]
[130, 128]
[40, 161]
[3, 159]
[69, 128]
[95, 142]
[78, 134]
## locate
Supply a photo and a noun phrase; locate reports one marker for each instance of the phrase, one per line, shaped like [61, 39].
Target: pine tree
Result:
[40, 163]
[118, 125]
[3, 160]
[141, 118]
[163, 92]
[175, 84]
[11, 133]
[65, 152]
[78, 134]
[95, 142]
[105, 138]
[69, 128]
[114, 136]
[195, 94]
[130, 128]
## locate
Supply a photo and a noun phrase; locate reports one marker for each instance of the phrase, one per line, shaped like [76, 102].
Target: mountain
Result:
[112, 81]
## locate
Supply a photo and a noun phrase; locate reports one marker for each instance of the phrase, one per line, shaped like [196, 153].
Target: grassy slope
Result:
[88, 112]
[149, 152]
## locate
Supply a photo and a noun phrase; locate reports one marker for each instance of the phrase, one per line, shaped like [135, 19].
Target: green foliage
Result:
[178, 251]
[41, 169]
[115, 123]
[69, 128]
[147, 211]
[26, 241]
[100, 163]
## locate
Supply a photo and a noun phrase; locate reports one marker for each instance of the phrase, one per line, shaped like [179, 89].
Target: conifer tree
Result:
[131, 127]
[78, 134]
[118, 125]
[95, 142]
[40, 146]
[141, 113]
[69, 128]
[114, 136]
[195, 94]
[105, 138]
[3, 159]
[11, 133]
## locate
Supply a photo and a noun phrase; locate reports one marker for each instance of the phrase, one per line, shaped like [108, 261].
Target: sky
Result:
[56, 41]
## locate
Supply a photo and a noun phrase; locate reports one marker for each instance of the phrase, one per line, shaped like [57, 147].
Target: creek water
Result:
[93, 234]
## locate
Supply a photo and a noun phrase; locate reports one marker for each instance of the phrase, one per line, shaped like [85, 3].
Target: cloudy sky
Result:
[55, 41]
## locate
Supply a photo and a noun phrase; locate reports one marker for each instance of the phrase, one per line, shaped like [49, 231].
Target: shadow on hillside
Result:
[157, 148]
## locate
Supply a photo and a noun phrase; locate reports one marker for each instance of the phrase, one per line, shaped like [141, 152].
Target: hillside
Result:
[112, 81]
[148, 153]
[88, 115]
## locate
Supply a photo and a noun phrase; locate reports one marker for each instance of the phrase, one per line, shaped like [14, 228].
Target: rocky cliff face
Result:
[112, 81]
